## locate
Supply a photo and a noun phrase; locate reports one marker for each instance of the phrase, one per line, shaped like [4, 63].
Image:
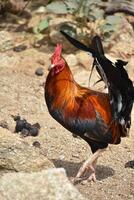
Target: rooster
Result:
[98, 118]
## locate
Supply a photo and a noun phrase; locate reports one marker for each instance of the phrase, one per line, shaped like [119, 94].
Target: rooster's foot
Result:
[88, 166]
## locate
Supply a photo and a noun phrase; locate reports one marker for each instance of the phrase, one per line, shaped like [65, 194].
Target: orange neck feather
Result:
[61, 83]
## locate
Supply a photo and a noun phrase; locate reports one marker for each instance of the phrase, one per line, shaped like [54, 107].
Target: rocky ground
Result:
[22, 164]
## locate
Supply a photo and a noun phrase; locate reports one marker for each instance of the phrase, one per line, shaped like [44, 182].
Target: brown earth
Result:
[22, 94]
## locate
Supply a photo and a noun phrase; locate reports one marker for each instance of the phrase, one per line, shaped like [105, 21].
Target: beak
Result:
[50, 67]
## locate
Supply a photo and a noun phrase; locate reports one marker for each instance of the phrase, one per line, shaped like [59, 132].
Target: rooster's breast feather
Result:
[83, 116]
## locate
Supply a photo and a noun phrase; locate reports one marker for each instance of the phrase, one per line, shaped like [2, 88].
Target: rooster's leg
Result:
[89, 165]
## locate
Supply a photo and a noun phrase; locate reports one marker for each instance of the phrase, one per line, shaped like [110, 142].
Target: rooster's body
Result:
[92, 115]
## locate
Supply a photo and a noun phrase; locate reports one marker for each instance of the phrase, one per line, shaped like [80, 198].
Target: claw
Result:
[88, 166]
[75, 180]
[92, 177]
[83, 180]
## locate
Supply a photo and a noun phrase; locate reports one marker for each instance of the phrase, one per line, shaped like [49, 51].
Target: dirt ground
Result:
[22, 94]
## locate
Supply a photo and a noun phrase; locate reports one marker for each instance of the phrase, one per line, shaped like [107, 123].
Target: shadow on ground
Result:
[102, 172]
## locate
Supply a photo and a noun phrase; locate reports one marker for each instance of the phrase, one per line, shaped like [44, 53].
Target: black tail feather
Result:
[77, 44]
[121, 90]
[83, 47]
[96, 45]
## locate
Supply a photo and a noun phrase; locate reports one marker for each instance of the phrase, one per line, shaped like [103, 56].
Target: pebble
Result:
[52, 127]
[75, 136]
[20, 48]
[36, 144]
[20, 125]
[25, 128]
[39, 71]
[34, 131]
[130, 164]
[37, 125]
[24, 132]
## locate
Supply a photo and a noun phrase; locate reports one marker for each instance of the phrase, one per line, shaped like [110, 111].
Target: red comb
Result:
[57, 53]
[58, 49]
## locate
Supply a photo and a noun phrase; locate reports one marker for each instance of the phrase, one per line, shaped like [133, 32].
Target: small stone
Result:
[130, 164]
[28, 126]
[20, 48]
[36, 144]
[39, 71]
[24, 132]
[37, 125]
[34, 131]
[20, 125]
[52, 127]
[74, 135]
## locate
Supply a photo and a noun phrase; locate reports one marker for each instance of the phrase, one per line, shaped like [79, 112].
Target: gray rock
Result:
[39, 71]
[49, 184]
[16, 155]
